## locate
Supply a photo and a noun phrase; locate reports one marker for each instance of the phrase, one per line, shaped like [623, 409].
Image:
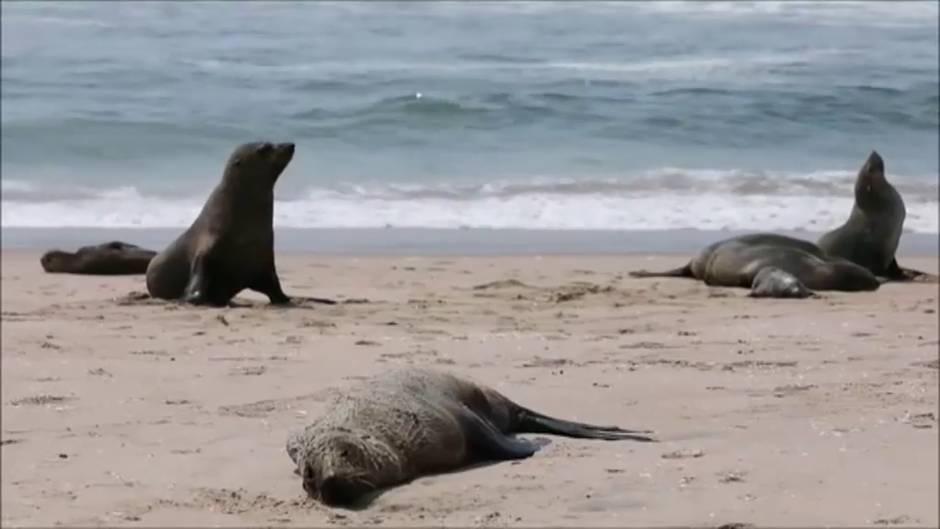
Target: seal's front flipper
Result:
[195, 291]
[484, 439]
[685, 271]
[535, 422]
[269, 285]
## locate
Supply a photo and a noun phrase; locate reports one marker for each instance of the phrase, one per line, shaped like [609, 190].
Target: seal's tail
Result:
[534, 422]
[685, 271]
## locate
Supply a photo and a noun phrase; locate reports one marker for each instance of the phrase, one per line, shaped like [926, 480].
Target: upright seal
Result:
[400, 425]
[872, 232]
[230, 245]
[112, 258]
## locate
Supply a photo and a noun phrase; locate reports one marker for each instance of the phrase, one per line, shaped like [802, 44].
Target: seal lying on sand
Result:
[796, 266]
[113, 258]
[870, 236]
[407, 423]
[230, 245]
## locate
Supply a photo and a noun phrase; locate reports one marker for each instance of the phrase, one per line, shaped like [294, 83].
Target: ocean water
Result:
[595, 116]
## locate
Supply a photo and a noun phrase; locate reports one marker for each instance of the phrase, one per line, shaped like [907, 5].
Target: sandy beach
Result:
[770, 412]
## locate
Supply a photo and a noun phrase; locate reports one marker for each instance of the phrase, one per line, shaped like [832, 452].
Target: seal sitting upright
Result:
[872, 232]
[406, 423]
[772, 265]
[230, 245]
[112, 258]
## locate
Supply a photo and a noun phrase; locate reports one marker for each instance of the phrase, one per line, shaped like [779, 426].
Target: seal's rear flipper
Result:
[685, 271]
[485, 439]
[896, 273]
[534, 422]
[920, 277]
[322, 301]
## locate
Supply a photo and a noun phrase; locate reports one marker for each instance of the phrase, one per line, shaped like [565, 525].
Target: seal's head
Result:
[335, 470]
[259, 162]
[871, 182]
[55, 260]
[772, 282]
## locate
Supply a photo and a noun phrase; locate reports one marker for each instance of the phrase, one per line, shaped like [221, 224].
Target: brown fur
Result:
[871, 235]
[738, 261]
[407, 423]
[113, 258]
[230, 245]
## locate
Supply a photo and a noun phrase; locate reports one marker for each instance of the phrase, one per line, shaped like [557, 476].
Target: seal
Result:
[400, 425]
[112, 258]
[870, 236]
[230, 245]
[797, 265]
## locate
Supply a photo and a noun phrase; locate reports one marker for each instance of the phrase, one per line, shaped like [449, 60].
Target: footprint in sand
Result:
[39, 400]
[249, 371]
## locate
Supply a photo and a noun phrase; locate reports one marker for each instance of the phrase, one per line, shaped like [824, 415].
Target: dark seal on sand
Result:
[230, 245]
[113, 258]
[796, 265]
[400, 425]
[872, 232]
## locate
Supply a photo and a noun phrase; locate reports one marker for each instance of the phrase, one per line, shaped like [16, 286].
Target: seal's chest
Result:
[246, 241]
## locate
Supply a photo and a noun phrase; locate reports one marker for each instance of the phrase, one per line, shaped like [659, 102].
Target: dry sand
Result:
[772, 412]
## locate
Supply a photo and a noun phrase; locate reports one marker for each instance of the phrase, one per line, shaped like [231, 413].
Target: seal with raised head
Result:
[230, 245]
[872, 232]
[112, 258]
[797, 265]
[397, 426]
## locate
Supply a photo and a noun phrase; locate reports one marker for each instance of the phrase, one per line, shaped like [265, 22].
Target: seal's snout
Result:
[337, 490]
[284, 152]
[874, 163]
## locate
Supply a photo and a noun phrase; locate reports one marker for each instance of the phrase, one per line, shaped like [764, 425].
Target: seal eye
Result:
[237, 162]
[265, 148]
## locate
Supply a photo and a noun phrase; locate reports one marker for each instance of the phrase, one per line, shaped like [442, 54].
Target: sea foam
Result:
[656, 200]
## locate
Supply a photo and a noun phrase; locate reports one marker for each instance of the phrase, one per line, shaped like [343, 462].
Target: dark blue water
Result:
[525, 115]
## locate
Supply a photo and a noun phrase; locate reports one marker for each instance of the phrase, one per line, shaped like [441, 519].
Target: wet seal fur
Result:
[112, 258]
[407, 423]
[771, 265]
[230, 245]
[872, 232]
